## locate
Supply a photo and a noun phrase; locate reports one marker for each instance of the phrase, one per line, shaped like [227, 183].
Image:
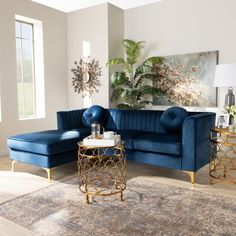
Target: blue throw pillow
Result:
[173, 118]
[94, 114]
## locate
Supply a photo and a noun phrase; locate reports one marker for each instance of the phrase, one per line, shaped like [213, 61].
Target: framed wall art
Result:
[187, 80]
[223, 120]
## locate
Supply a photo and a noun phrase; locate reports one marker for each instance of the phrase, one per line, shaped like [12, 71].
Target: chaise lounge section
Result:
[174, 138]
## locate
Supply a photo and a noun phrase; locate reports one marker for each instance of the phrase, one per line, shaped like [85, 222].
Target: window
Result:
[30, 73]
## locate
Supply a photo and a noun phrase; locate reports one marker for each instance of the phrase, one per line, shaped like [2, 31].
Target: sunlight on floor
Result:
[13, 184]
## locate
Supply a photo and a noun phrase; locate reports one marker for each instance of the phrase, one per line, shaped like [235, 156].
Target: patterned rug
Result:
[150, 208]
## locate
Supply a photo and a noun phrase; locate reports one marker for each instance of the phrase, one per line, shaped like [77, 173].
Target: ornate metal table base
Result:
[222, 156]
[101, 171]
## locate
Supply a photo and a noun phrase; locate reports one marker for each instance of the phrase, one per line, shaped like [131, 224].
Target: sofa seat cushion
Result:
[128, 136]
[48, 142]
[159, 143]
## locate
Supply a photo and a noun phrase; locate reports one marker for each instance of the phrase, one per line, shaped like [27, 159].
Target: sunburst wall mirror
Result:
[86, 74]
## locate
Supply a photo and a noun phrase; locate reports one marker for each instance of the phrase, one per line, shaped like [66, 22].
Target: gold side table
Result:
[222, 165]
[101, 170]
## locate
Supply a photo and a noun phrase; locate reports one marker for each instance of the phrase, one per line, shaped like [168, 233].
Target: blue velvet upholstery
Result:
[173, 118]
[170, 144]
[48, 142]
[70, 119]
[176, 141]
[195, 152]
[156, 159]
[192, 156]
[46, 161]
[140, 120]
[94, 114]
[128, 136]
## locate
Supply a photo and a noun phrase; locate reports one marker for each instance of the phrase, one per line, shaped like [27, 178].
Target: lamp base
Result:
[229, 97]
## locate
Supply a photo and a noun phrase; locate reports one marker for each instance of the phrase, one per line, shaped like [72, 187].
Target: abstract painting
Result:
[187, 80]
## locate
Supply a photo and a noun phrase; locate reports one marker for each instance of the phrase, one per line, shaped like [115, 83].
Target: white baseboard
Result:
[3, 152]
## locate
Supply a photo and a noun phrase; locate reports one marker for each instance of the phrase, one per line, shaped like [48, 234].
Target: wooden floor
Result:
[28, 178]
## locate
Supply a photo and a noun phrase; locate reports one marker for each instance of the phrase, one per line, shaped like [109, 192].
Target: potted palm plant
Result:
[130, 86]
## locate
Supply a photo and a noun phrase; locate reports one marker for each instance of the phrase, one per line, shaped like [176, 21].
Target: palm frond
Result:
[145, 76]
[119, 61]
[116, 94]
[116, 61]
[132, 94]
[147, 65]
[153, 60]
[146, 68]
[142, 69]
[128, 85]
[149, 90]
[132, 50]
[118, 79]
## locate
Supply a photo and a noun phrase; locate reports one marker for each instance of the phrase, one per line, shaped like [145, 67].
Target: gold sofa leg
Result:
[192, 176]
[48, 173]
[47, 170]
[13, 165]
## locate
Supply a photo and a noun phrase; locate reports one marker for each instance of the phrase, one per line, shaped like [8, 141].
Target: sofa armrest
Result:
[195, 140]
[70, 119]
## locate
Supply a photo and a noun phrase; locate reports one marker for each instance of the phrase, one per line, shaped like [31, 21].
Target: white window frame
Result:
[38, 66]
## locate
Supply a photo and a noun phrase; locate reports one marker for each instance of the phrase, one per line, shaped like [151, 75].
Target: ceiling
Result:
[72, 5]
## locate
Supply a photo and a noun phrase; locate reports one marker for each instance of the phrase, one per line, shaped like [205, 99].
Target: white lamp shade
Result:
[225, 75]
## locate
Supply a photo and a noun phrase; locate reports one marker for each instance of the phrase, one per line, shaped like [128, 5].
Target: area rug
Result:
[150, 208]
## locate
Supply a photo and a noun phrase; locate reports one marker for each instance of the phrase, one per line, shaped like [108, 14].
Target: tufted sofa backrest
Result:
[143, 120]
[140, 120]
[70, 119]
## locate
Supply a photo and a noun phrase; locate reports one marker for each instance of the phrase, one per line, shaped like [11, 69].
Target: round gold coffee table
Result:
[101, 170]
[222, 165]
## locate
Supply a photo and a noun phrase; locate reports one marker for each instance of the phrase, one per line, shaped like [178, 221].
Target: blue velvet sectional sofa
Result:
[174, 138]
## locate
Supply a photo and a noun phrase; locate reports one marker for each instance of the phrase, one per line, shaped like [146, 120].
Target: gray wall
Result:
[103, 27]
[115, 37]
[89, 24]
[55, 68]
[175, 27]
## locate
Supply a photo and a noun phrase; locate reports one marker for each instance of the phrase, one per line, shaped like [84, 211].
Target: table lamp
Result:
[225, 76]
